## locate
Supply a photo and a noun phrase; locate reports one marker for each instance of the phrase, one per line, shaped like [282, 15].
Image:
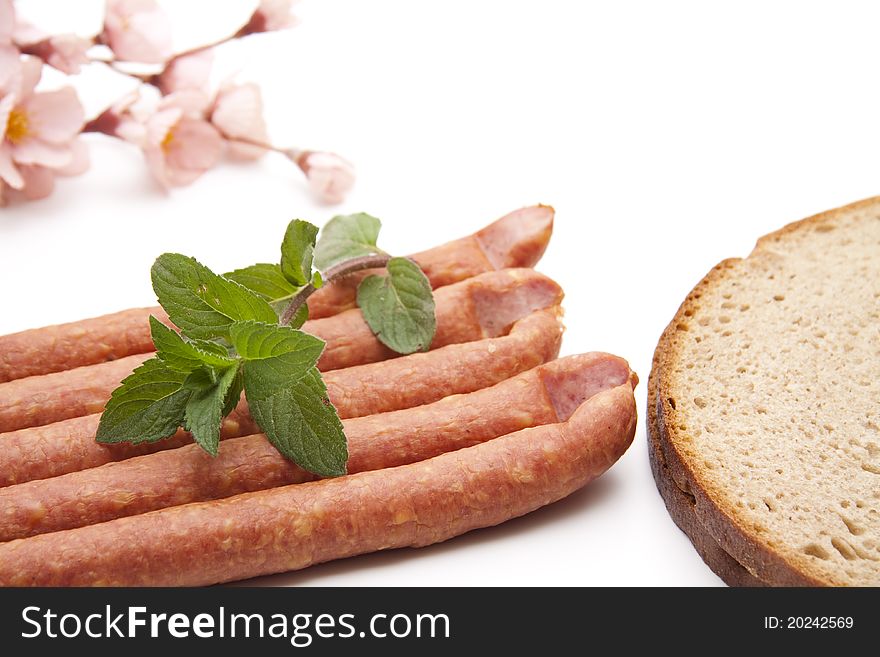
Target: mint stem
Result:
[332, 275]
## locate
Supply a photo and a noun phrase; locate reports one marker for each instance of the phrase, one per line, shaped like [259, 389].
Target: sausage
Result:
[69, 446]
[546, 394]
[39, 400]
[484, 306]
[56, 449]
[293, 527]
[65, 346]
[426, 377]
[516, 240]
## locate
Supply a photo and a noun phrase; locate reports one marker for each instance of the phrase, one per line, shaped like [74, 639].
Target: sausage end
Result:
[518, 239]
[571, 381]
[498, 307]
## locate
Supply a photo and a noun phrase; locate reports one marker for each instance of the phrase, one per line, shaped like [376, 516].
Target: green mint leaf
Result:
[233, 395]
[184, 355]
[201, 303]
[148, 405]
[212, 348]
[399, 307]
[264, 279]
[206, 404]
[257, 341]
[317, 280]
[345, 237]
[297, 251]
[298, 419]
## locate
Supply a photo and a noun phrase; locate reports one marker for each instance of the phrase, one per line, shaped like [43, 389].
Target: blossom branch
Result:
[182, 136]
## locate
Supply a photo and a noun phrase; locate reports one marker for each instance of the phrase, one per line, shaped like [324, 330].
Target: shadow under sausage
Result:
[579, 502]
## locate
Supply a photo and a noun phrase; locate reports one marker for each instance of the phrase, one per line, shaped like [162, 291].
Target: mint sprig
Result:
[148, 406]
[239, 333]
[399, 307]
[200, 303]
[258, 341]
[298, 420]
[297, 252]
[266, 280]
[186, 355]
[207, 401]
[346, 237]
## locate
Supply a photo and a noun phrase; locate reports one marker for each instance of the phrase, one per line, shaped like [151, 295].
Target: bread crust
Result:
[731, 549]
[681, 506]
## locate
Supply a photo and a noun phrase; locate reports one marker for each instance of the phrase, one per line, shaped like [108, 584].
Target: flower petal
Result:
[68, 53]
[34, 151]
[132, 131]
[238, 112]
[156, 164]
[187, 72]
[268, 16]
[7, 20]
[193, 102]
[182, 177]
[6, 105]
[138, 31]
[8, 170]
[277, 14]
[180, 149]
[196, 145]
[10, 70]
[24, 33]
[56, 116]
[31, 72]
[38, 182]
[330, 176]
[160, 124]
[80, 159]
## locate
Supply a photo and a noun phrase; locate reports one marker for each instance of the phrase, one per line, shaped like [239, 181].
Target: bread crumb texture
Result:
[772, 396]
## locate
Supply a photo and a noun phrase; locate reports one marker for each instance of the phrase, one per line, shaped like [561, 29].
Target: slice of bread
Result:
[764, 407]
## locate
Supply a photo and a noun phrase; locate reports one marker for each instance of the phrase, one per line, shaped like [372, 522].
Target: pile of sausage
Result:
[486, 426]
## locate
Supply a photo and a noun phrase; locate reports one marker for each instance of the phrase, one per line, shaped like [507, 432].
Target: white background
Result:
[668, 136]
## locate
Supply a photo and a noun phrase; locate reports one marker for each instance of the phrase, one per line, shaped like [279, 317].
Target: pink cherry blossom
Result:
[270, 15]
[36, 129]
[40, 181]
[10, 68]
[179, 145]
[79, 162]
[24, 33]
[193, 102]
[119, 120]
[238, 114]
[188, 71]
[66, 52]
[137, 31]
[7, 21]
[330, 176]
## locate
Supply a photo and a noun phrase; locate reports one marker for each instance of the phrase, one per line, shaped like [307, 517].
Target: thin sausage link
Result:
[479, 307]
[516, 240]
[543, 395]
[55, 449]
[293, 527]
